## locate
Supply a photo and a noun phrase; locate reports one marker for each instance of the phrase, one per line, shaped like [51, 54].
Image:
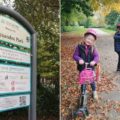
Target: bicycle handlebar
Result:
[86, 65]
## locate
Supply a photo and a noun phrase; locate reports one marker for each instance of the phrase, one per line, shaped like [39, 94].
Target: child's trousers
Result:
[83, 87]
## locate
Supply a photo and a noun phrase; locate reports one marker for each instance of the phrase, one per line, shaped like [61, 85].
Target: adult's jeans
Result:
[118, 65]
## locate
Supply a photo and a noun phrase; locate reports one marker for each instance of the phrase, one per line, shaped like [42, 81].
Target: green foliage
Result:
[72, 28]
[111, 17]
[111, 27]
[79, 5]
[108, 30]
[13, 115]
[44, 17]
[88, 22]
[48, 102]
[74, 11]
[117, 20]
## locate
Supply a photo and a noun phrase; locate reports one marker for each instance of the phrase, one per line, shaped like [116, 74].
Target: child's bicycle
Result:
[87, 76]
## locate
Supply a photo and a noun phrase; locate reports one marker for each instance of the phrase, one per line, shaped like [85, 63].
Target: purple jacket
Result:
[77, 54]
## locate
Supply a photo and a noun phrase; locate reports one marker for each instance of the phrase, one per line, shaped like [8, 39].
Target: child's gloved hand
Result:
[81, 62]
[92, 63]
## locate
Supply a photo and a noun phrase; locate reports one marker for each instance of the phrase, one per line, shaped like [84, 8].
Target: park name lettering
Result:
[11, 38]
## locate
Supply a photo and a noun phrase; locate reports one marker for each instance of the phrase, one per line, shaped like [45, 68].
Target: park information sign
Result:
[15, 64]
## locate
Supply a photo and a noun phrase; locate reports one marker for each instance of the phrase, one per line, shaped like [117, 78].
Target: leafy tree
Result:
[69, 8]
[44, 17]
[111, 17]
[79, 5]
[72, 9]
[110, 4]
[117, 20]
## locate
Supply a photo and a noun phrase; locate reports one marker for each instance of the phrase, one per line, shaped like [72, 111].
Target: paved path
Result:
[100, 32]
[105, 45]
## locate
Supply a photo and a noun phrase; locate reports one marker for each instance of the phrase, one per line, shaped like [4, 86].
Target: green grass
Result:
[79, 30]
[107, 30]
[75, 31]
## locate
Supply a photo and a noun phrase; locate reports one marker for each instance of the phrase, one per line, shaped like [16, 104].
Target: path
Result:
[100, 32]
[108, 107]
[108, 62]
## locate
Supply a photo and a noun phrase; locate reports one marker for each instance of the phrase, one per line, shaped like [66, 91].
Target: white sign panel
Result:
[15, 64]
[14, 55]
[11, 31]
[12, 102]
[14, 79]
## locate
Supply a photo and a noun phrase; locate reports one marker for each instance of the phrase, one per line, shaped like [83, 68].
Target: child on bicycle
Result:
[87, 53]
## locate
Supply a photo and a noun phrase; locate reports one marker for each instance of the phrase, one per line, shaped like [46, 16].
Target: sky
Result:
[11, 2]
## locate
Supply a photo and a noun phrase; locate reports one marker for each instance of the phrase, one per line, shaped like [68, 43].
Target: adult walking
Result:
[117, 45]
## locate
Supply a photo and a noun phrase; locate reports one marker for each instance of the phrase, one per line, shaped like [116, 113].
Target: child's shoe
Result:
[95, 95]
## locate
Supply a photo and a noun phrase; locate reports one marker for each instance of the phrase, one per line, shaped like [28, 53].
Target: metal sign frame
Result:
[27, 25]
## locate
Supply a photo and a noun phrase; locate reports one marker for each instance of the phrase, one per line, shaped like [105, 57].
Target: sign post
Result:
[17, 63]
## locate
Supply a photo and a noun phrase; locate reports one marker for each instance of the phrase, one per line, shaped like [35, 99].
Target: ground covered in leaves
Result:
[108, 106]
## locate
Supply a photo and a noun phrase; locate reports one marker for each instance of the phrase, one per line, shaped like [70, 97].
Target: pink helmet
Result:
[92, 32]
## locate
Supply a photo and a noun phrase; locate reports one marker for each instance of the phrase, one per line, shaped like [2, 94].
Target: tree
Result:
[79, 5]
[111, 17]
[96, 4]
[74, 8]
[117, 20]
[104, 7]
[44, 17]
[87, 7]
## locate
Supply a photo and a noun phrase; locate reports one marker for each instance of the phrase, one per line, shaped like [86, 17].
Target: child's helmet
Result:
[92, 32]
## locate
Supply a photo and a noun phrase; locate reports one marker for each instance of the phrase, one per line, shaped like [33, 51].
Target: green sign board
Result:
[17, 63]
